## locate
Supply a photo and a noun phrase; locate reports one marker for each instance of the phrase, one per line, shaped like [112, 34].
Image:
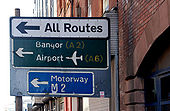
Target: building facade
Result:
[143, 55]
[144, 50]
[69, 8]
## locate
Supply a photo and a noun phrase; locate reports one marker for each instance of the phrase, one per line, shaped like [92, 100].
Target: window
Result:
[150, 90]
[157, 92]
[53, 105]
[105, 5]
[46, 7]
[34, 10]
[61, 104]
[52, 8]
[89, 8]
[40, 8]
[55, 8]
[165, 91]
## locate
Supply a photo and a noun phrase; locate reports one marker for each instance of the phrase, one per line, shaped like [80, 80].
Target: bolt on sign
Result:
[50, 56]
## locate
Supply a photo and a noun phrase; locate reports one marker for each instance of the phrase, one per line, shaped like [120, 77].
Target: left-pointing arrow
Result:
[22, 28]
[35, 82]
[20, 52]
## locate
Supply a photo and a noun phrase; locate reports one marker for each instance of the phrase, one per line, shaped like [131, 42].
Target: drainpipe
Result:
[117, 82]
[117, 66]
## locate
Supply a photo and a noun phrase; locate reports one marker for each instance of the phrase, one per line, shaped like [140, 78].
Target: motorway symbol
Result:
[60, 83]
[74, 58]
[20, 52]
[22, 27]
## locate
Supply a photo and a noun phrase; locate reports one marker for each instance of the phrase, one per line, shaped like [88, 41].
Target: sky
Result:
[7, 9]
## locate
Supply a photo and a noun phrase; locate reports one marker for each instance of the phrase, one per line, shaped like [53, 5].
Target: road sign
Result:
[59, 27]
[60, 83]
[60, 53]
[51, 56]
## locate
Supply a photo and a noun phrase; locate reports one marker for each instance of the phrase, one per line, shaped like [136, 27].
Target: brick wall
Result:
[133, 18]
[60, 8]
[112, 3]
[97, 8]
[64, 8]
[84, 8]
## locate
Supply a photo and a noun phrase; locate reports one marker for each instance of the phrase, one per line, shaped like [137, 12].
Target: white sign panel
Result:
[59, 27]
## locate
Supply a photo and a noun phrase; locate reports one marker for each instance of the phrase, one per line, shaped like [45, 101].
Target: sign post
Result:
[18, 99]
[60, 56]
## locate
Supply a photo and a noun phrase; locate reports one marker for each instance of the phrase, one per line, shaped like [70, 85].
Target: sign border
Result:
[59, 94]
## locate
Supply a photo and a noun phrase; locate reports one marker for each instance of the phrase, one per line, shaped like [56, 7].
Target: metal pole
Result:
[50, 105]
[80, 104]
[18, 99]
[18, 103]
[117, 82]
[17, 12]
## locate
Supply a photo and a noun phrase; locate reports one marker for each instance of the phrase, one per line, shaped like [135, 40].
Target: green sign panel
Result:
[60, 53]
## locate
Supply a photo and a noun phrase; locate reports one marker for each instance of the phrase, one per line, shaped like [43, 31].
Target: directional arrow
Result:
[35, 82]
[21, 27]
[20, 52]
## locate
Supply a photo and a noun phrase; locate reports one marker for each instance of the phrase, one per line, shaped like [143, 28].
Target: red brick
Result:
[132, 38]
[148, 34]
[134, 84]
[112, 3]
[97, 8]
[136, 107]
[84, 8]
[163, 14]
[136, 97]
[168, 4]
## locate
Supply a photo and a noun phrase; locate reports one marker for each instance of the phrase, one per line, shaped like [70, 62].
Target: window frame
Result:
[157, 76]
